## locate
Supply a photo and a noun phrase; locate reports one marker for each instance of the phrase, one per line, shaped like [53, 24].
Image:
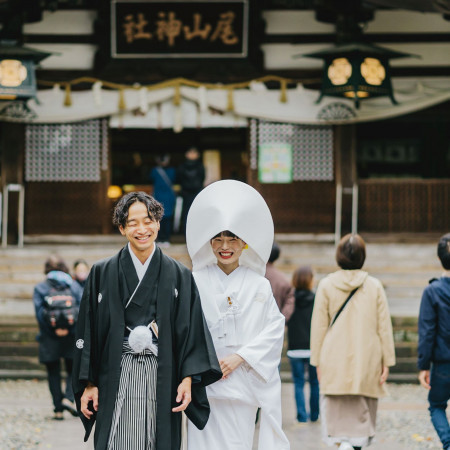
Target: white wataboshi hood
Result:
[234, 206]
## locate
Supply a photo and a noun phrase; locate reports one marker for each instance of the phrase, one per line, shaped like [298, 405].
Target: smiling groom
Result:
[143, 350]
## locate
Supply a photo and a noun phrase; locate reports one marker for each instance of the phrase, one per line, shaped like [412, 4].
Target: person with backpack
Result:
[56, 302]
[434, 343]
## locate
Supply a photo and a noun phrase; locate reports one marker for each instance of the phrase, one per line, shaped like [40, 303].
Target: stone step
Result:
[19, 349]
[19, 334]
[17, 290]
[20, 374]
[19, 363]
[406, 336]
[406, 350]
[405, 365]
[404, 378]
[22, 306]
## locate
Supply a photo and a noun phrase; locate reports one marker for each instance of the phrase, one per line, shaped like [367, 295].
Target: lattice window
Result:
[312, 147]
[66, 152]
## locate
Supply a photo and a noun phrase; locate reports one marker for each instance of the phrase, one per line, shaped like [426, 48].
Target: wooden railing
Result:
[404, 205]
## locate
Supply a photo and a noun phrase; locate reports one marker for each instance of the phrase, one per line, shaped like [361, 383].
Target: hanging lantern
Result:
[357, 71]
[17, 71]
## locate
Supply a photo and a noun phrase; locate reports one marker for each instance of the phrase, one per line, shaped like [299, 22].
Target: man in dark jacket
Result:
[190, 176]
[434, 343]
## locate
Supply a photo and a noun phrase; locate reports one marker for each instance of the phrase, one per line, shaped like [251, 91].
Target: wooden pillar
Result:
[105, 203]
[12, 149]
[346, 180]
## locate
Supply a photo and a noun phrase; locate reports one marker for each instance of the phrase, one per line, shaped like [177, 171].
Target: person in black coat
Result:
[190, 176]
[57, 340]
[299, 328]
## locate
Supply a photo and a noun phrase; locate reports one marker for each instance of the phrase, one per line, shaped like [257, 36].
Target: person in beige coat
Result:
[352, 350]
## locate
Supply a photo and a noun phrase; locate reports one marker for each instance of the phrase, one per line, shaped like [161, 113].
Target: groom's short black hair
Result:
[154, 208]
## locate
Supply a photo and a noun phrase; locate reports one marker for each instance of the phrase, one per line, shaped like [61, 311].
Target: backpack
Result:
[61, 309]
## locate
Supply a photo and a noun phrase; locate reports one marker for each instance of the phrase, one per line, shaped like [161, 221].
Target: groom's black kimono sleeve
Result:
[185, 348]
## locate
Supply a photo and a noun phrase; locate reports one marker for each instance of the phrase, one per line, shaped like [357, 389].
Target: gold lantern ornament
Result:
[357, 71]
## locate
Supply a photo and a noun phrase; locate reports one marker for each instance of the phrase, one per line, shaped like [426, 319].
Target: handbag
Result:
[342, 307]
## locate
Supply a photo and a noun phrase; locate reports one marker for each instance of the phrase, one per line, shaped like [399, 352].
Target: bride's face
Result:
[227, 250]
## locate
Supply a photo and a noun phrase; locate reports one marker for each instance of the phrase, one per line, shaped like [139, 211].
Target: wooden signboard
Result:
[153, 40]
[174, 29]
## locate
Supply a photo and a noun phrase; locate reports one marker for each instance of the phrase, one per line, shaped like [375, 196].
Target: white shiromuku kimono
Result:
[253, 327]
[242, 317]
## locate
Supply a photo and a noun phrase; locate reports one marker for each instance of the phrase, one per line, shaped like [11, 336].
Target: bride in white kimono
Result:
[229, 237]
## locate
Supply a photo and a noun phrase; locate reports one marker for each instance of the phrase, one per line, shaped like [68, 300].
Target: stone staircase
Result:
[404, 269]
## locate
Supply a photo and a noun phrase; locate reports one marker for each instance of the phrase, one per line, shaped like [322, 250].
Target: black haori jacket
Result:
[185, 345]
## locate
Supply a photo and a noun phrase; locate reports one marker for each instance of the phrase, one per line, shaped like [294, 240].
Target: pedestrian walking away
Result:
[143, 352]
[229, 238]
[434, 343]
[299, 353]
[56, 303]
[352, 347]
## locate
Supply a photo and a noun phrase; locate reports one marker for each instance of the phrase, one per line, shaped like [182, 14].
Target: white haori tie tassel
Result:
[141, 338]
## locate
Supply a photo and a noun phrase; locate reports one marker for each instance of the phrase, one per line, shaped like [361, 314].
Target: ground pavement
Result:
[25, 417]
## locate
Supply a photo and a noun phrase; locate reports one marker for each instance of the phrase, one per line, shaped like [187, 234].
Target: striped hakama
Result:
[134, 419]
